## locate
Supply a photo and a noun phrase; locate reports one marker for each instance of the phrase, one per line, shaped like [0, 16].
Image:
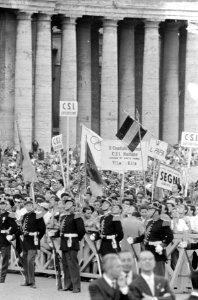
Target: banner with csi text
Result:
[116, 156]
[167, 177]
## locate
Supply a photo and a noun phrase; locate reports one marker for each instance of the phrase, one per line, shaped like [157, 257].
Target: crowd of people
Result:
[119, 221]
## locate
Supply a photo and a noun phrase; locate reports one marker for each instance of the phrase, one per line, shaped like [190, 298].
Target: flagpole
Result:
[153, 186]
[122, 187]
[33, 195]
[139, 125]
[188, 169]
[85, 165]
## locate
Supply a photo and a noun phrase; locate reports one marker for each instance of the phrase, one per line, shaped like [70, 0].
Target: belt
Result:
[154, 243]
[4, 231]
[34, 234]
[108, 237]
[112, 238]
[70, 236]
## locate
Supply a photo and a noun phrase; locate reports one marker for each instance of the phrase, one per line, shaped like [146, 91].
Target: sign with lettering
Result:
[116, 156]
[157, 149]
[68, 108]
[57, 142]
[189, 139]
[167, 177]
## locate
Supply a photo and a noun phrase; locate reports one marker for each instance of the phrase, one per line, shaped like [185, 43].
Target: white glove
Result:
[9, 237]
[130, 240]
[92, 237]
[183, 244]
[159, 249]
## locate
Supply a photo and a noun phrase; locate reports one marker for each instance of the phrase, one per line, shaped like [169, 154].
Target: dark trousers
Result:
[160, 268]
[71, 269]
[5, 254]
[29, 266]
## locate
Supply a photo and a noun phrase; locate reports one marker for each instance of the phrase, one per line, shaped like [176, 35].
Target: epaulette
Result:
[39, 215]
[77, 215]
[12, 215]
[116, 218]
[166, 220]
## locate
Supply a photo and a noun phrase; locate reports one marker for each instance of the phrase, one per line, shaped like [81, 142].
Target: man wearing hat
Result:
[71, 232]
[8, 227]
[111, 232]
[156, 238]
[32, 230]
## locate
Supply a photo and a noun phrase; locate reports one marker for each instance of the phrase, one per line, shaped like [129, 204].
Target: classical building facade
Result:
[112, 56]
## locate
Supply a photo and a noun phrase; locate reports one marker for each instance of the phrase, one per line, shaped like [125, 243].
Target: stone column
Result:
[7, 71]
[170, 84]
[126, 73]
[150, 88]
[68, 80]
[191, 85]
[83, 75]
[23, 78]
[109, 81]
[43, 83]
[95, 78]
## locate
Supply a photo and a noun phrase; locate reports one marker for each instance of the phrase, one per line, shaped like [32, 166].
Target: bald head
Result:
[112, 265]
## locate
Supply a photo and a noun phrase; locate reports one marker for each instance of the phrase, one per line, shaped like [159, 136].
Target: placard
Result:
[57, 142]
[157, 149]
[117, 157]
[167, 177]
[68, 108]
[189, 139]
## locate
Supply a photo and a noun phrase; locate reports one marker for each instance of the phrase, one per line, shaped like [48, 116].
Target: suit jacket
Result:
[100, 290]
[139, 286]
[192, 297]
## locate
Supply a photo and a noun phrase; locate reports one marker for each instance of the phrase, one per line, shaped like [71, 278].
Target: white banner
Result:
[189, 139]
[117, 157]
[157, 149]
[167, 177]
[57, 142]
[68, 108]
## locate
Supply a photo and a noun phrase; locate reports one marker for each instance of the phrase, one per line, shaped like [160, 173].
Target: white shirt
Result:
[60, 192]
[129, 277]
[194, 223]
[109, 281]
[180, 225]
[20, 212]
[150, 281]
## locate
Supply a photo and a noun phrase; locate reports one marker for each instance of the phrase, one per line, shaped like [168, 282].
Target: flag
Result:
[131, 133]
[93, 174]
[29, 173]
[94, 141]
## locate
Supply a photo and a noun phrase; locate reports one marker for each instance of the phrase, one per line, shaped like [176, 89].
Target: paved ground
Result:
[11, 290]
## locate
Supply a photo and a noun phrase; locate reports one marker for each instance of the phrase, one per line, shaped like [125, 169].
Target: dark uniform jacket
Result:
[31, 223]
[161, 286]
[6, 222]
[110, 225]
[71, 224]
[156, 231]
[192, 246]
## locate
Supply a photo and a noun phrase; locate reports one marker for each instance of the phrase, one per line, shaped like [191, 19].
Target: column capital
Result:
[44, 17]
[110, 23]
[172, 25]
[85, 22]
[22, 15]
[151, 23]
[68, 20]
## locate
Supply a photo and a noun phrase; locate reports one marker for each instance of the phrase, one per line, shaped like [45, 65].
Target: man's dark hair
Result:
[143, 207]
[61, 182]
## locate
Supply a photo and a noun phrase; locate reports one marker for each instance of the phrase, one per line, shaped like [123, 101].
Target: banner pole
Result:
[153, 186]
[67, 151]
[122, 187]
[62, 168]
[32, 194]
[188, 169]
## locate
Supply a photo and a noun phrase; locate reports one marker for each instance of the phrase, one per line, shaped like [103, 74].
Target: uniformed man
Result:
[157, 236]
[111, 232]
[71, 232]
[32, 229]
[8, 228]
